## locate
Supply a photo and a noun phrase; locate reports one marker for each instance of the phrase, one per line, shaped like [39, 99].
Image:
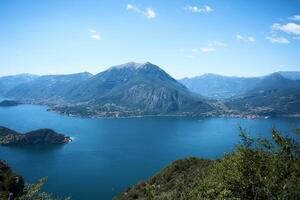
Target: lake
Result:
[108, 155]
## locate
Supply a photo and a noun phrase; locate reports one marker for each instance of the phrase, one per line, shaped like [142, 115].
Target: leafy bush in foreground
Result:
[256, 170]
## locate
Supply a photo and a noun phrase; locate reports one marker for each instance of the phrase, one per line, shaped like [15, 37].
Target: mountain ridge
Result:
[129, 89]
[221, 87]
[144, 89]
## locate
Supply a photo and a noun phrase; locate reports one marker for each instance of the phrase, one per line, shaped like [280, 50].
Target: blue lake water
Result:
[108, 155]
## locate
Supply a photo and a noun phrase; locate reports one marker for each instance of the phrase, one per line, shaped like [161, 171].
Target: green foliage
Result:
[33, 192]
[265, 170]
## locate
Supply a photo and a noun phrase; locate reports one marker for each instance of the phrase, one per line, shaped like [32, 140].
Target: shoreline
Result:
[118, 115]
[241, 116]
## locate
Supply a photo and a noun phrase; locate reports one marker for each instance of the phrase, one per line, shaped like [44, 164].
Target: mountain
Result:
[130, 89]
[9, 82]
[292, 75]
[50, 87]
[276, 94]
[223, 87]
[143, 87]
[41, 136]
[217, 86]
[138, 89]
[272, 95]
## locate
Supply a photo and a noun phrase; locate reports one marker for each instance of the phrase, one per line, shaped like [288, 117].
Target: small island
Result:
[7, 103]
[36, 137]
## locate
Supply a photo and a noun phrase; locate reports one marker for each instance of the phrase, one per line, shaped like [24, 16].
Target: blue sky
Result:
[185, 38]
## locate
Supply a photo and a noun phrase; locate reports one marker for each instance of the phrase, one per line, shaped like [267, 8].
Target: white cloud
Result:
[295, 17]
[245, 39]
[131, 7]
[281, 40]
[290, 28]
[213, 46]
[149, 12]
[208, 49]
[217, 44]
[95, 35]
[196, 9]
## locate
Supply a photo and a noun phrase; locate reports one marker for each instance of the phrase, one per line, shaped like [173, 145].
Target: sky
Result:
[184, 37]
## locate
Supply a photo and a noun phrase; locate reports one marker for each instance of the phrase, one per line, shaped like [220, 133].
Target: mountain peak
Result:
[148, 63]
[134, 66]
[273, 76]
[293, 75]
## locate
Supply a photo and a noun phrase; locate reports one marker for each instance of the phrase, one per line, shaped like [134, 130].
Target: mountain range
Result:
[271, 95]
[221, 87]
[276, 94]
[130, 89]
[139, 89]
[9, 82]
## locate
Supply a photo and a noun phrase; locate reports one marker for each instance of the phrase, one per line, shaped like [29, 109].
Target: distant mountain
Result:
[125, 90]
[222, 87]
[273, 95]
[50, 87]
[137, 89]
[217, 86]
[271, 82]
[276, 94]
[9, 82]
[292, 75]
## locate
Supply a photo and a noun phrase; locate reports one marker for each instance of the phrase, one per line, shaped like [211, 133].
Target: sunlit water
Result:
[108, 155]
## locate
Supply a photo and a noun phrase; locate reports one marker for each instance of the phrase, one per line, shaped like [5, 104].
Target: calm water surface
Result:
[108, 155]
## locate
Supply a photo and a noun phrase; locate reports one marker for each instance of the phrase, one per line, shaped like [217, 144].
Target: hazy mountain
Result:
[51, 87]
[293, 75]
[272, 81]
[272, 95]
[9, 82]
[217, 86]
[222, 87]
[132, 88]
